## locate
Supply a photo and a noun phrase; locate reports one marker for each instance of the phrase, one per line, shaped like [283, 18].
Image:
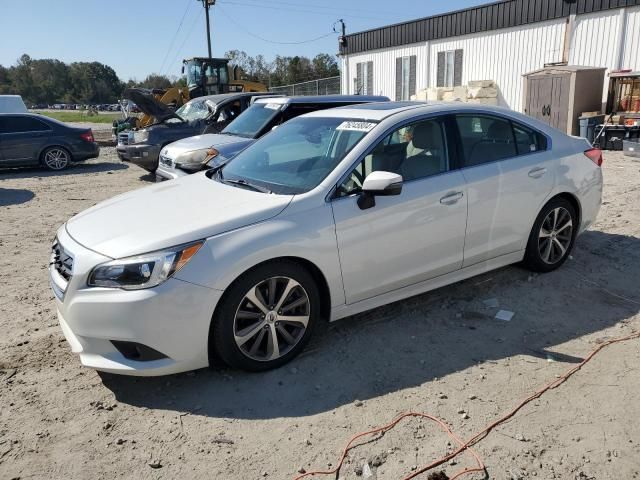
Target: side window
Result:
[527, 140]
[23, 124]
[485, 139]
[415, 151]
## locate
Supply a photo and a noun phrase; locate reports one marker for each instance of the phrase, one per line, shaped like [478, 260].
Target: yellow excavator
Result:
[211, 76]
[205, 76]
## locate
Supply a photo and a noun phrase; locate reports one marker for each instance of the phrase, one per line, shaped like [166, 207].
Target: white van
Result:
[12, 104]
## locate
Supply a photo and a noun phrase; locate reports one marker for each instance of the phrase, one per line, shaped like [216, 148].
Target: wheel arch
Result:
[310, 267]
[54, 145]
[573, 200]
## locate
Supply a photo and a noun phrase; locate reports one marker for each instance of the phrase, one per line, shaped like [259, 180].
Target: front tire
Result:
[56, 158]
[266, 317]
[552, 236]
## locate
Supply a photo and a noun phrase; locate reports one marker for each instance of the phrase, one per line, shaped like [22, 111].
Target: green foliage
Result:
[284, 70]
[49, 81]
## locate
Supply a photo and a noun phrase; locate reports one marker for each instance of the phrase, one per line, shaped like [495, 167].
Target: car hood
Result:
[170, 213]
[148, 104]
[199, 142]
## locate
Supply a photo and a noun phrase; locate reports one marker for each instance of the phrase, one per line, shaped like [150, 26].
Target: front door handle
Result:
[537, 172]
[451, 198]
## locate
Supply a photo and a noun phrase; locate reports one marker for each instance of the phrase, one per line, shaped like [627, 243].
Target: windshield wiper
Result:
[243, 183]
[240, 181]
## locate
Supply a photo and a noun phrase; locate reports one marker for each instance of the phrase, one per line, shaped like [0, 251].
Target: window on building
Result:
[364, 78]
[405, 77]
[449, 68]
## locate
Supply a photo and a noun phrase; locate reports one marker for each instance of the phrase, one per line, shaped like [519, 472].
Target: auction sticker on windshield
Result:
[356, 126]
[273, 106]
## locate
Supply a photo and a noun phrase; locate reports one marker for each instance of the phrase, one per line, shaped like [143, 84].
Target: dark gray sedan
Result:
[28, 139]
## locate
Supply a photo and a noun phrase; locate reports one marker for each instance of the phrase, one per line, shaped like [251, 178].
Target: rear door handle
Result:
[451, 198]
[537, 172]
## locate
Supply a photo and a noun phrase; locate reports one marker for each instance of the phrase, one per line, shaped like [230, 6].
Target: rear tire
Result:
[552, 236]
[55, 158]
[265, 317]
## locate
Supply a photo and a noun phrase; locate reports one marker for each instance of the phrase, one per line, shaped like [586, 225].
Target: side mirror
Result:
[381, 184]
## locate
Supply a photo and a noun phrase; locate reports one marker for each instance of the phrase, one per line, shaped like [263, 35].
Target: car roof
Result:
[380, 111]
[222, 97]
[25, 114]
[324, 99]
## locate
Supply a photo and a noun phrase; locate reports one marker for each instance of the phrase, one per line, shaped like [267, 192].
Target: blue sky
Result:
[137, 37]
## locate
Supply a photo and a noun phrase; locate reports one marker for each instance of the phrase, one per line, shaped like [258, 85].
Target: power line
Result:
[175, 35]
[335, 10]
[300, 10]
[179, 51]
[248, 32]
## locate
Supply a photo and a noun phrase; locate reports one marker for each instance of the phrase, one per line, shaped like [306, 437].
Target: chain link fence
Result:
[323, 86]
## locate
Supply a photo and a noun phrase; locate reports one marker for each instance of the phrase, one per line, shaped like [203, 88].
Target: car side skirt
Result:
[416, 289]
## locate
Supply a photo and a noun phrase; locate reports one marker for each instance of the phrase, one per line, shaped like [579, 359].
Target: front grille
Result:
[123, 138]
[61, 261]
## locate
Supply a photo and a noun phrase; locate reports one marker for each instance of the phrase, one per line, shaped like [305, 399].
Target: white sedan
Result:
[331, 214]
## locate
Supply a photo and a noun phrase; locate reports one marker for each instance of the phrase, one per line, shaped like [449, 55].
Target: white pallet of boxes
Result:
[484, 92]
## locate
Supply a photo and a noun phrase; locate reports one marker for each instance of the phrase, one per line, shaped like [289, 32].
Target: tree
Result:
[283, 70]
[52, 81]
[155, 80]
[325, 65]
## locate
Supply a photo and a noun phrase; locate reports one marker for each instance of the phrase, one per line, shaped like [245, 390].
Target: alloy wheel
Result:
[56, 159]
[271, 319]
[556, 233]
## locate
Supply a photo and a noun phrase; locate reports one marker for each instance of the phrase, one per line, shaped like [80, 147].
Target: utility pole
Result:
[342, 41]
[206, 4]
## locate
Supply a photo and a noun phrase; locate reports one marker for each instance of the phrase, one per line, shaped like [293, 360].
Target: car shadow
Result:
[148, 177]
[75, 169]
[14, 196]
[409, 343]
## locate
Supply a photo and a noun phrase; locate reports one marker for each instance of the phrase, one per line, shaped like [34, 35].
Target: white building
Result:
[499, 41]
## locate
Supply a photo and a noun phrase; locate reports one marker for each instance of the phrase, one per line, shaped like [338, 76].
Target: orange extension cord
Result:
[477, 437]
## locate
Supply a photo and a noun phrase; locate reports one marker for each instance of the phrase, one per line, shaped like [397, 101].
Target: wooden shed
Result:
[559, 94]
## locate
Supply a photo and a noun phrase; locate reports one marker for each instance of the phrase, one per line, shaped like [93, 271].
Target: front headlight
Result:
[140, 136]
[143, 271]
[195, 159]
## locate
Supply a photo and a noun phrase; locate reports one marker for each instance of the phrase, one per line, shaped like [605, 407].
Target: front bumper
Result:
[143, 155]
[169, 172]
[172, 318]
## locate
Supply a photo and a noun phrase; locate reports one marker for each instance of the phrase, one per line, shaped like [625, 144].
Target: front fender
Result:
[307, 234]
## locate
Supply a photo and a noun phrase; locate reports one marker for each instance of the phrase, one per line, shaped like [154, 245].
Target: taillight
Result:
[595, 155]
[87, 136]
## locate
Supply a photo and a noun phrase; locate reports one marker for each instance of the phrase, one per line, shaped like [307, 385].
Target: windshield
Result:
[298, 155]
[253, 120]
[193, 111]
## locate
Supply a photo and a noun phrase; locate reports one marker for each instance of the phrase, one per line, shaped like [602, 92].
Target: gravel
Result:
[54, 413]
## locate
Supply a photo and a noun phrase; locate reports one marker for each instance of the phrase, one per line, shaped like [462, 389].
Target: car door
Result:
[509, 174]
[22, 138]
[411, 237]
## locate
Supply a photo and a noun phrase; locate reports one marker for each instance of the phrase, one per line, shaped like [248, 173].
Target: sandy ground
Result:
[442, 353]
